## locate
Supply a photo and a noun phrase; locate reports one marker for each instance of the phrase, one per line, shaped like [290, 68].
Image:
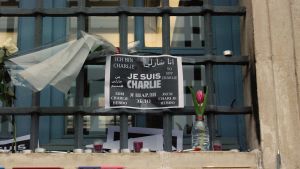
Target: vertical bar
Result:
[208, 30]
[166, 29]
[167, 132]
[78, 130]
[209, 69]
[123, 29]
[167, 117]
[123, 131]
[165, 3]
[34, 130]
[38, 24]
[139, 30]
[139, 25]
[78, 117]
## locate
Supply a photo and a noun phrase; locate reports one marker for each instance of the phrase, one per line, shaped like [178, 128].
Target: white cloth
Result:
[57, 66]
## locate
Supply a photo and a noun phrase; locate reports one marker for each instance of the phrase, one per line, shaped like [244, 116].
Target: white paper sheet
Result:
[154, 141]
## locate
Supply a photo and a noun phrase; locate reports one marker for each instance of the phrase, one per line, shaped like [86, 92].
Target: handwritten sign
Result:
[143, 82]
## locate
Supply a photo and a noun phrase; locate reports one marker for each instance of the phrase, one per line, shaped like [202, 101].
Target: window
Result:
[93, 97]
[178, 27]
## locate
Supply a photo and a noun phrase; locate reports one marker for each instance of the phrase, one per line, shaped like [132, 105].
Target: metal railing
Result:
[123, 11]
[80, 111]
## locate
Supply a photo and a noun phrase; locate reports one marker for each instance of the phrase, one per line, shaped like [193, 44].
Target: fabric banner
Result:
[58, 65]
[143, 82]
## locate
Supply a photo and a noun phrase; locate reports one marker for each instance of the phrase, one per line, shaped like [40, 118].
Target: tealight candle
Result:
[39, 150]
[87, 151]
[114, 151]
[78, 150]
[126, 150]
[26, 151]
[145, 150]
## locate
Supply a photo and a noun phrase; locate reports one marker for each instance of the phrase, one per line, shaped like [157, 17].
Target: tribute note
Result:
[143, 82]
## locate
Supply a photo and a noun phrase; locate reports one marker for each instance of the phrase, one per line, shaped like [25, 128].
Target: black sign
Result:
[147, 82]
[22, 143]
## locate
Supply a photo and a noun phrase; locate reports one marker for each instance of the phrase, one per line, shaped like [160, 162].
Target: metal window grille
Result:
[81, 11]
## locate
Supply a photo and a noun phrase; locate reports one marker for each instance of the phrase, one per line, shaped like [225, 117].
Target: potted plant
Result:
[200, 132]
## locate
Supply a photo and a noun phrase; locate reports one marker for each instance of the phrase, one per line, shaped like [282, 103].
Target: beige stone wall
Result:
[295, 12]
[135, 161]
[276, 36]
[276, 39]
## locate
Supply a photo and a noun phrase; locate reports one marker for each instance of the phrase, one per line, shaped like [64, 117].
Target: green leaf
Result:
[196, 105]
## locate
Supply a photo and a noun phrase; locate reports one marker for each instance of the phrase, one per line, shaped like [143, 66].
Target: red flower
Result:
[200, 96]
[199, 100]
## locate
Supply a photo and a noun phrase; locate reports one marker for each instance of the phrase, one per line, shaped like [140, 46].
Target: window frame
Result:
[123, 11]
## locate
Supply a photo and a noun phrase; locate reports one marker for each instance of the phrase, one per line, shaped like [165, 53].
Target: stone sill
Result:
[191, 160]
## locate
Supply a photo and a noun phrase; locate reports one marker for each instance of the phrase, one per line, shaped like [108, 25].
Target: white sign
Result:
[144, 82]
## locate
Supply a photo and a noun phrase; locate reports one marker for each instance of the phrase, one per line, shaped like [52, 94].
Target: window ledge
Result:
[210, 159]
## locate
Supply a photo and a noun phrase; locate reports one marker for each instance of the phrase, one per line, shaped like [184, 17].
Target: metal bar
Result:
[139, 35]
[56, 111]
[34, 131]
[123, 3]
[211, 100]
[198, 60]
[130, 11]
[166, 34]
[209, 69]
[78, 128]
[216, 60]
[165, 3]
[167, 131]
[123, 28]
[139, 23]
[78, 117]
[167, 117]
[123, 131]
[34, 128]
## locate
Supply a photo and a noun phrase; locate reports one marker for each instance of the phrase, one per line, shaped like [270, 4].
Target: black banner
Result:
[147, 82]
[22, 143]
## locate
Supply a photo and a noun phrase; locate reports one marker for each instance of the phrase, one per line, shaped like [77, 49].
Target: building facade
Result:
[253, 103]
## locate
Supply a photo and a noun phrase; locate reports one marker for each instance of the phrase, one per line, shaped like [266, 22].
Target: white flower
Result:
[10, 47]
